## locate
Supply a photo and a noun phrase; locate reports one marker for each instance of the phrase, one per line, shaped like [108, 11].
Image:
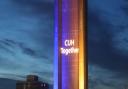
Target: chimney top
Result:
[32, 78]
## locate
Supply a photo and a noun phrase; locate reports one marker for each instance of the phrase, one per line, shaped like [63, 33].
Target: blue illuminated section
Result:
[66, 67]
[56, 47]
[65, 36]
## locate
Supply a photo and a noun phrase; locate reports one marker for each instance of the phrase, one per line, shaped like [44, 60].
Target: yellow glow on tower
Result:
[82, 47]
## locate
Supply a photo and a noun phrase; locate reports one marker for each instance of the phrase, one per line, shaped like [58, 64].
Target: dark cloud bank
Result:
[26, 40]
[108, 44]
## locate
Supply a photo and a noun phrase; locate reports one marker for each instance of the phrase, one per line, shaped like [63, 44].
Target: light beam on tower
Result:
[69, 62]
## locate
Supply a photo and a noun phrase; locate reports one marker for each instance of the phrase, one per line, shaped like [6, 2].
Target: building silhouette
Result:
[31, 83]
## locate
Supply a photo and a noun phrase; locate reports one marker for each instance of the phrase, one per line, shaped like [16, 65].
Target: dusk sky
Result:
[26, 39]
[108, 44]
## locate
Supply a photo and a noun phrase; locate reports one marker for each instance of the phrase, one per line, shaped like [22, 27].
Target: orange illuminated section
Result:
[82, 46]
[74, 30]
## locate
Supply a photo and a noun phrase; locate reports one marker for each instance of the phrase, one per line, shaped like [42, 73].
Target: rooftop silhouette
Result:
[31, 82]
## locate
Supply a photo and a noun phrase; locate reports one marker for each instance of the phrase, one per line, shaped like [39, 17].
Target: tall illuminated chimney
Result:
[69, 58]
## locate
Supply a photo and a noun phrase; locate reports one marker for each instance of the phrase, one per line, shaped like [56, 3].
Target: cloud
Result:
[36, 6]
[107, 39]
[100, 78]
[18, 60]
[107, 43]
[26, 39]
